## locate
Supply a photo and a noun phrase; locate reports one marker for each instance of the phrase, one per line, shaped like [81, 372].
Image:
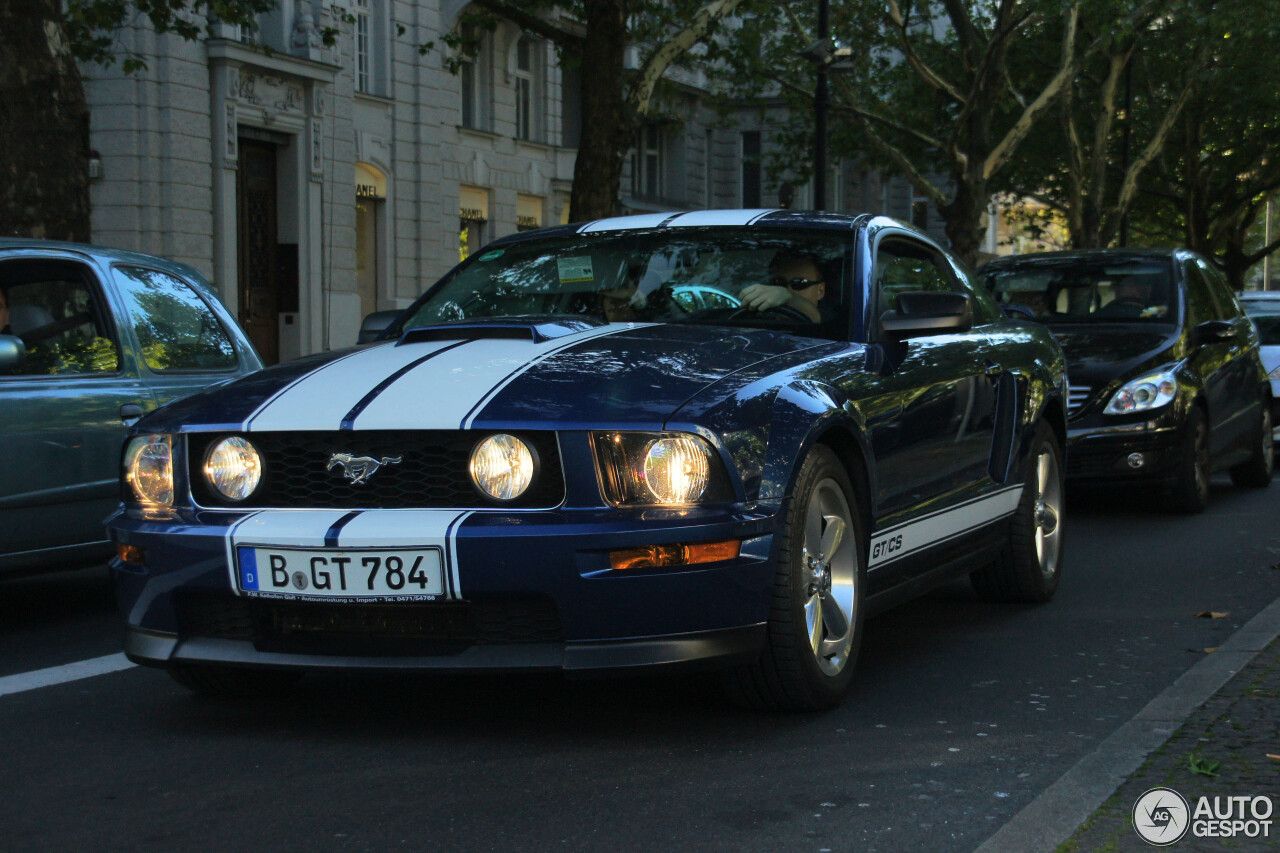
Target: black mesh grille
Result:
[384, 629]
[432, 472]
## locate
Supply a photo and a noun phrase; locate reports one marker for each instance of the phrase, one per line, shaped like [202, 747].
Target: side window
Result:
[175, 328]
[1224, 300]
[903, 265]
[1200, 305]
[57, 310]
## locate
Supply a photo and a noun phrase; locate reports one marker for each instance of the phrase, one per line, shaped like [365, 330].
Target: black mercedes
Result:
[1166, 382]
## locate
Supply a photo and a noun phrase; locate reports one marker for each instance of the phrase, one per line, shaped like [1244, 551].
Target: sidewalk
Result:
[1237, 728]
[1222, 718]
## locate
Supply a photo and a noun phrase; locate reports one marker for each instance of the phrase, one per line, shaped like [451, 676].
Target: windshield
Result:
[1079, 290]
[714, 276]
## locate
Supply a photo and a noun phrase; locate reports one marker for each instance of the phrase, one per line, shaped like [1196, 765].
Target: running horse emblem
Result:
[357, 469]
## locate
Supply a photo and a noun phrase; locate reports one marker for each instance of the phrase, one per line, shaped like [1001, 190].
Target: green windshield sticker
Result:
[575, 269]
[489, 256]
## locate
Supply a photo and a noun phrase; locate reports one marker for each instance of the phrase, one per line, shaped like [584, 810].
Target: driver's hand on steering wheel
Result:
[762, 297]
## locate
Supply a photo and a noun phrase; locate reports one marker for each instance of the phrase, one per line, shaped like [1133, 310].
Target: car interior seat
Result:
[24, 319]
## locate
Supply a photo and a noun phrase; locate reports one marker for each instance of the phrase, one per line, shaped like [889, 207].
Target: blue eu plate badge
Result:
[248, 569]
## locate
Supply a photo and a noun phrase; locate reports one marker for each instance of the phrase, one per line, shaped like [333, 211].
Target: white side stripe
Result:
[910, 537]
[62, 674]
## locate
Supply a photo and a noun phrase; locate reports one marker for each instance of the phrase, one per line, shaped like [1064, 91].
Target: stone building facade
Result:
[317, 183]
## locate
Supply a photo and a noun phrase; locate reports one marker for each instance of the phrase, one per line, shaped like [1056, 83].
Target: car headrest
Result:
[26, 318]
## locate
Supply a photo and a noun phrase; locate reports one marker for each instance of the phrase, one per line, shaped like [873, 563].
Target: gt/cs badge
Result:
[357, 469]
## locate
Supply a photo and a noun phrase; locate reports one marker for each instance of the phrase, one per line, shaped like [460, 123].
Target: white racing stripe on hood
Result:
[410, 528]
[449, 391]
[323, 398]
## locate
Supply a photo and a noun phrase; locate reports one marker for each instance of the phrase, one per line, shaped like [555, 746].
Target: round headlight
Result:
[148, 466]
[502, 467]
[234, 468]
[676, 469]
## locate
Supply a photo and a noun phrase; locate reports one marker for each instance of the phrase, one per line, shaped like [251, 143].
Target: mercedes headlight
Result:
[502, 467]
[1142, 394]
[234, 468]
[148, 469]
[667, 469]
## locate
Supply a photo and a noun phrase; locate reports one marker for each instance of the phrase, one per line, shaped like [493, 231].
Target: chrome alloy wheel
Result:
[1048, 513]
[829, 566]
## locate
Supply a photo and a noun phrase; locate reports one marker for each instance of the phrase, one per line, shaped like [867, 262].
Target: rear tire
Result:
[1190, 492]
[1256, 473]
[1030, 569]
[818, 601]
[232, 681]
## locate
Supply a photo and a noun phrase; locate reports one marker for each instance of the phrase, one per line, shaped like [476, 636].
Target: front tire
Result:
[1190, 492]
[1256, 472]
[1030, 569]
[818, 601]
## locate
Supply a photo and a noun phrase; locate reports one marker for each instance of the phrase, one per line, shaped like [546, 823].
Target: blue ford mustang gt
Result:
[719, 439]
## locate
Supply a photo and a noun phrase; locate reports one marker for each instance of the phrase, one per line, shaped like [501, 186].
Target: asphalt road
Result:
[961, 714]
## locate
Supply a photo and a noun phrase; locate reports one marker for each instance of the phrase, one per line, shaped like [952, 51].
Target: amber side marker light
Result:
[129, 554]
[654, 556]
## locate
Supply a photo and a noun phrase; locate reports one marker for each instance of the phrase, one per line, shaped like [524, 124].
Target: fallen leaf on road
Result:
[1212, 614]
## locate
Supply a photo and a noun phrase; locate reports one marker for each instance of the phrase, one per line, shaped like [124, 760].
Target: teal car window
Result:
[176, 329]
[56, 309]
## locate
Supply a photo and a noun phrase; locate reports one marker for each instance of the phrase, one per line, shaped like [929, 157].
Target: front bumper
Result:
[527, 591]
[1101, 454]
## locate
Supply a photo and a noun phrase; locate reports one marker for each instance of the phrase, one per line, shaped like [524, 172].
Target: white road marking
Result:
[62, 674]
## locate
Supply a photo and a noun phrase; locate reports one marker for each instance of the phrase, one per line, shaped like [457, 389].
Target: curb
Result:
[1055, 815]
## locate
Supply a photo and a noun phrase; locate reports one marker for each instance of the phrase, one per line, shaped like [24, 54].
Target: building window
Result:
[528, 212]
[475, 81]
[920, 212]
[751, 168]
[371, 194]
[527, 77]
[648, 165]
[708, 189]
[473, 214]
[361, 12]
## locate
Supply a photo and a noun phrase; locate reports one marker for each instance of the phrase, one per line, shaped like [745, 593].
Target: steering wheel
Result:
[784, 310]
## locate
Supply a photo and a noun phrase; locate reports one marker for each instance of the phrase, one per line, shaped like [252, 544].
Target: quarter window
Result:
[175, 328]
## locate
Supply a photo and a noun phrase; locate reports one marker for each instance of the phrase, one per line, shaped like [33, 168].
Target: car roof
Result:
[673, 220]
[1083, 255]
[103, 253]
[1260, 295]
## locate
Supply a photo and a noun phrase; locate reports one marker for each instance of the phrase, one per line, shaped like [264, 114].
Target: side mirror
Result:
[12, 352]
[924, 312]
[375, 324]
[1215, 332]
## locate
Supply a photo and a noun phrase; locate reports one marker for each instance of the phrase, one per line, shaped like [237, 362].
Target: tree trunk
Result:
[608, 126]
[964, 218]
[44, 126]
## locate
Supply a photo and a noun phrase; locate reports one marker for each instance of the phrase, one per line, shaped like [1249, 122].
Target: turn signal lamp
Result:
[656, 556]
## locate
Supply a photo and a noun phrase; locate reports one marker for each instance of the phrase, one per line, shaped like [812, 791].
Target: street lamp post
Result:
[820, 113]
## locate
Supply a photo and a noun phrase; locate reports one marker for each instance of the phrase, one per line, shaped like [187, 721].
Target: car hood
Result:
[1098, 356]
[482, 376]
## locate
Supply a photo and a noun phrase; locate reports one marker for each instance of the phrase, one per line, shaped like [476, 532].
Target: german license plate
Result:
[398, 575]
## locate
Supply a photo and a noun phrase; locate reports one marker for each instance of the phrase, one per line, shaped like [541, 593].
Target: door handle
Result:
[130, 412]
[992, 369]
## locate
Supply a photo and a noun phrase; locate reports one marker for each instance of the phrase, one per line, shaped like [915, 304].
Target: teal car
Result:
[91, 339]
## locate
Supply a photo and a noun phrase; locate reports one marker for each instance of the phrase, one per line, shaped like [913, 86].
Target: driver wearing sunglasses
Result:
[796, 283]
